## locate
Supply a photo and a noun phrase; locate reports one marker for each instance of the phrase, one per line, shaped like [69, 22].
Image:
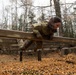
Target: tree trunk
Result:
[58, 13]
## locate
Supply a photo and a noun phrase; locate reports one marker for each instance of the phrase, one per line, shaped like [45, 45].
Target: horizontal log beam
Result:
[9, 40]
[30, 36]
[70, 48]
[15, 34]
[65, 40]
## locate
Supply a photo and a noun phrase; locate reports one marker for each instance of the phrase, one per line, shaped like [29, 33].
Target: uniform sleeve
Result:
[36, 31]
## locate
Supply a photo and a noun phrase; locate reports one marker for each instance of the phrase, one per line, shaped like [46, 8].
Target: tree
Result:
[20, 23]
[58, 13]
[42, 17]
[26, 6]
[14, 15]
[68, 27]
[31, 16]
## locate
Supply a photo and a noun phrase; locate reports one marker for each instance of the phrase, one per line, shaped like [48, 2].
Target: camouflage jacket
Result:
[43, 29]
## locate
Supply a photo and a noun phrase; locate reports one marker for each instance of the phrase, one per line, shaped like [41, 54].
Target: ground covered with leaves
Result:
[51, 64]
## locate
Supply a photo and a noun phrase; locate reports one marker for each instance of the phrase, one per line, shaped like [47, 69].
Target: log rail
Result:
[30, 36]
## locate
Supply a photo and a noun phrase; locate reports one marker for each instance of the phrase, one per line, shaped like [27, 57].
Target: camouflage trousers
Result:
[28, 43]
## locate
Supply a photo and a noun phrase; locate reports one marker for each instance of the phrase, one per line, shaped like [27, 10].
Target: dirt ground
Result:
[51, 64]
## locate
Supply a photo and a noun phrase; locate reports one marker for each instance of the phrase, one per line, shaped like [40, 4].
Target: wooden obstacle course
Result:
[29, 36]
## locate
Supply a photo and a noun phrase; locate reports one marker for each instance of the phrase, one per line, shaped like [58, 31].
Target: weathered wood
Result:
[15, 34]
[21, 53]
[65, 50]
[7, 40]
[39, 54]
[65, 40]
[30, 36]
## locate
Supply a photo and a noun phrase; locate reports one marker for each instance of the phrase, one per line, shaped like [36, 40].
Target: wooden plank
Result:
[30, 36]
[15, 34]
[7, 40]
[68, 48]
[65, 40]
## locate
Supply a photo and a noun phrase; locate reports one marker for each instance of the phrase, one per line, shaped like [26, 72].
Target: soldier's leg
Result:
[38, 49]
[38, 45]
[26, 44]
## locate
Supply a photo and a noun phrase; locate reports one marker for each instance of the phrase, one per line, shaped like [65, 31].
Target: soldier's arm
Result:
[52, 33]
[36, 32]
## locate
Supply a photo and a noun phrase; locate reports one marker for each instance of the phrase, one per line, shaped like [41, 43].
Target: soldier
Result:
[44, 30]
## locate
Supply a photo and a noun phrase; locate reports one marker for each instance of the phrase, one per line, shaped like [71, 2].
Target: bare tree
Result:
[58, 13]
[14, 14]
[26, 6]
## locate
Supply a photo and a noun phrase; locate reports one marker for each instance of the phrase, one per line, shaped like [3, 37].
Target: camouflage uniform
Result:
[41, 31]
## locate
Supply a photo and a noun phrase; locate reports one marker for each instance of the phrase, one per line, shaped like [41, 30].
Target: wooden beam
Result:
[30, 36]
[15, 34]
[9, 40]
[65, 40]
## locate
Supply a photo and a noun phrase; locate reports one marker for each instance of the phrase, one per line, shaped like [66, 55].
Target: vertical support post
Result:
[21, 53]
[62, 52]
[39, 54]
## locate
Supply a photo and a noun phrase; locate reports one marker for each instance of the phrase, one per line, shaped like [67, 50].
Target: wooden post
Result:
[64, 51]
[21, 53]
[39, 54]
